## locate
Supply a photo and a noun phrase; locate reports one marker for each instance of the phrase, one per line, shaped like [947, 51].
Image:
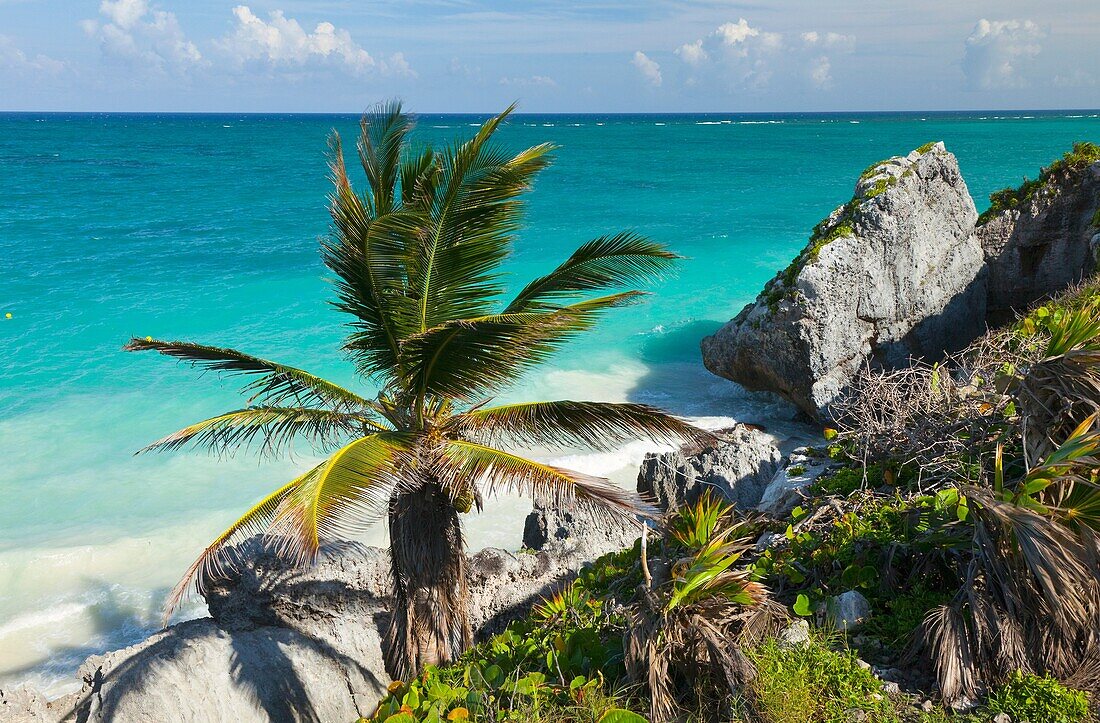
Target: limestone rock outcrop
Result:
[1046, 243]
[894, 273]
[739, 466]
[285, 644]
[576, 533]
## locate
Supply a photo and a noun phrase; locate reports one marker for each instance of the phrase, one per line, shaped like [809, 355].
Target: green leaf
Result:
[802, 606]
[618, 715]
[401, 718]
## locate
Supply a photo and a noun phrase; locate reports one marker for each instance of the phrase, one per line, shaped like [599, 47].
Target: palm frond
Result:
[496, 470]
[475, 211]
[273, 383]
[341, 495]
[467, 358]
[275, 428]
[382, 139]
[367, 252]
[607, 262]
[599, 425]
[214, 563]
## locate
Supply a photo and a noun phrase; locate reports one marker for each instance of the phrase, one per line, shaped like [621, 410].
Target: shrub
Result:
[1031, 698]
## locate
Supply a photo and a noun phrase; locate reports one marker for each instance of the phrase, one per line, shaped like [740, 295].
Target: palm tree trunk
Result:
[430, 625]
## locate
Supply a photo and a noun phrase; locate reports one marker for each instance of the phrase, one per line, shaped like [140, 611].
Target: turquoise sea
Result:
[205, 227]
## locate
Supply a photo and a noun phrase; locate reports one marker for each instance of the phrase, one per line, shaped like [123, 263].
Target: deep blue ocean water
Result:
[205, 227]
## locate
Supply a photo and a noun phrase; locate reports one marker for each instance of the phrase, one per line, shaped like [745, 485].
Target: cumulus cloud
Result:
[15, 60]
[736, 33]
[136, 33]
[282, 41]
[693, 53]
[534, 80]
[649, 69]
[997, 53]
[739, 54]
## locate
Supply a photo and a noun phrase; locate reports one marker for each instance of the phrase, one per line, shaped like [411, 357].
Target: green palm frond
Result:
[275, 427]
[273, 383]
[707, 575]
[382, 139]
[214, 562]
[468, 358]
[368, 254]
[454, 272]
[604, 263]
[599, 425]
[343, 494]
[1074, 329]
[498, 470]
[694, 525]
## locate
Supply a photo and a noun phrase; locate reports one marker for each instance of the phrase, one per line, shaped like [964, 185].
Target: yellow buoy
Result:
[7, 315]
[148, 338]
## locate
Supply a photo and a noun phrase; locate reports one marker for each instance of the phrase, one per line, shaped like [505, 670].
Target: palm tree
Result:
[417, 258]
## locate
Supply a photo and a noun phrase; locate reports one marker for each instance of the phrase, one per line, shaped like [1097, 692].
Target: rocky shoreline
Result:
[305, 644]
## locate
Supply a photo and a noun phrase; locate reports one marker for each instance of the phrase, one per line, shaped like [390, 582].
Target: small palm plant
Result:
[1029, 597]
[417, 259]
[690, 625]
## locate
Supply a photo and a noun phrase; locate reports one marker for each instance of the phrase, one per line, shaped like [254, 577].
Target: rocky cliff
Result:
[896, 272]
[1042, 237]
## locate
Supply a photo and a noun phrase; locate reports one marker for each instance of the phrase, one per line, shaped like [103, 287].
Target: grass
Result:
[1081, 156]
[1031, 698]
[813, 683]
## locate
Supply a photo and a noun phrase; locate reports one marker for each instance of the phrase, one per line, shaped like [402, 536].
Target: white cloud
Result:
[649, 69]
[14, 59]
[534, 80]
[997, 52]
[734, 33]
[828, 40]
[138, 34]
[692, 53]
[282, 41]
[821, 73]
[740, 55]
[124, 13]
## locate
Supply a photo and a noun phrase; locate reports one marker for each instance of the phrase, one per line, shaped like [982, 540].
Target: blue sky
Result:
[552, 55]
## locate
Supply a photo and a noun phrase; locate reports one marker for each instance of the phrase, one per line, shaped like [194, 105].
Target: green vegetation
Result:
[1082, 155]
[926, 147]
[1038, 699]
[816, 684]
[417, 259]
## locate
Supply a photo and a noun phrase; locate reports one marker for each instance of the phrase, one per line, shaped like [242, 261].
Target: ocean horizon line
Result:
[522, 114]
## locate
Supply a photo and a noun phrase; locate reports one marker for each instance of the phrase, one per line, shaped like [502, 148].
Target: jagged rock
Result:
[285, 644]
[1047, 243]
[571, 532]
[848, 610]
[784, 491]
[895, 273]
[24, 705]
[738, 466]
